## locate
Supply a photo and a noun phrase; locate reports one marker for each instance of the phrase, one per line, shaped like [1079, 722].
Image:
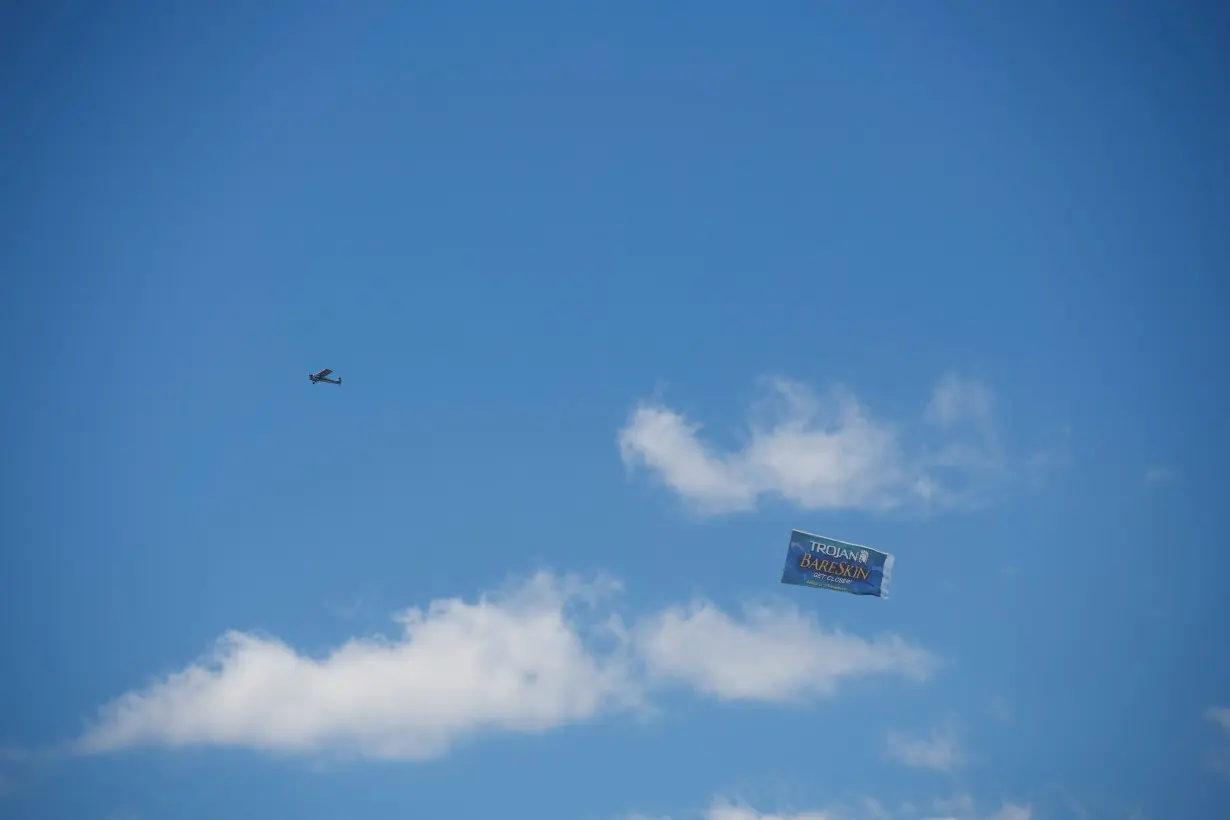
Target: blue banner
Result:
[816, 561]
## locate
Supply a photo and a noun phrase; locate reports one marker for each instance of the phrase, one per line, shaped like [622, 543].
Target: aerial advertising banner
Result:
[816, 561]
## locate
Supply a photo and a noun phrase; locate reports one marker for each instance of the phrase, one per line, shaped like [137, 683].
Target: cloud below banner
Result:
[962, 807]
[540, 655]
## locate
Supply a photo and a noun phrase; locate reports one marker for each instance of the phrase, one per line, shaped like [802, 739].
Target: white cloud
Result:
[1012, 811]
[518, 664]
[524, 661]
[722, 809]
[961, 808]
[816, 454]
[774, 654]
[822, 452]
[941, 750]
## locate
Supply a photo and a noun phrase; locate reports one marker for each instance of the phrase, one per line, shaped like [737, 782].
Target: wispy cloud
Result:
[1217, 758]
[772, 654]
[956, 400]
[722, 809]
[940, 750]
[12, 754]
[999, 709]
[960, 808]
[538, 656]
[1220, 715]
[825, 452]
[962, 805]
[1158, 474]
[1011, 811]
[1051, 456]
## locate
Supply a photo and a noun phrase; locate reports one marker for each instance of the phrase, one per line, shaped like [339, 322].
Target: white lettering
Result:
[834, 551]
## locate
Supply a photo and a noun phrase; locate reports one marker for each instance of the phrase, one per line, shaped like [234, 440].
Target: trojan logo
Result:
[834, 551]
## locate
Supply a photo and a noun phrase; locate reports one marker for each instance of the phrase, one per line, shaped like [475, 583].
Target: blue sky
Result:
[620, 294]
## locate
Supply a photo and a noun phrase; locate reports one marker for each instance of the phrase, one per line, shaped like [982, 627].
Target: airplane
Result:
[322, 376]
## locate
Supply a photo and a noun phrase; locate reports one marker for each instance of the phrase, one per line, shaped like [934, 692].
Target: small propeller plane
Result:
[323, 376]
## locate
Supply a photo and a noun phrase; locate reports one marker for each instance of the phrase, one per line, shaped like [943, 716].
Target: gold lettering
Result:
[842, 569]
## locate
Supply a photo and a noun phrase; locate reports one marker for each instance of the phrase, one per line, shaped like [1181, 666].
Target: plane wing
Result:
[323, 373]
